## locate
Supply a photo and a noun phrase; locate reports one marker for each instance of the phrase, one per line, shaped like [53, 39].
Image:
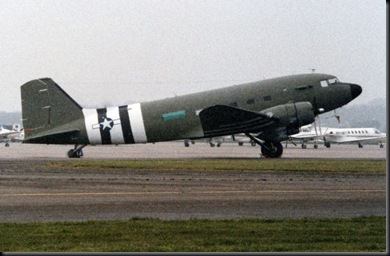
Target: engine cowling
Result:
[291, 116]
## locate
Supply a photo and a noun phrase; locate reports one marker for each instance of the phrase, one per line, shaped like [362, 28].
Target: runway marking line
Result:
[194, 192]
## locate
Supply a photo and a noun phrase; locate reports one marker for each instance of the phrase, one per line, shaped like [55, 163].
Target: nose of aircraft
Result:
[356, 90]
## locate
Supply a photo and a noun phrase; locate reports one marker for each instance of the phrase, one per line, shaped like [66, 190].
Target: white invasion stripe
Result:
[93, 131]
[116, 131]
[137, 123]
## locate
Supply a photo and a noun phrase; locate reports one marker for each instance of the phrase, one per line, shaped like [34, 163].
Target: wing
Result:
[222, 120]
[7, 133]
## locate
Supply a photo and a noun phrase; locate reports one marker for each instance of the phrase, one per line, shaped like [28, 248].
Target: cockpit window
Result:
[327, 82]
[333, 80]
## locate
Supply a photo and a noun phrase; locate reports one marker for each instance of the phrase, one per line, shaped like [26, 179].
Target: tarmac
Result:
[33, 191]
[198, 150]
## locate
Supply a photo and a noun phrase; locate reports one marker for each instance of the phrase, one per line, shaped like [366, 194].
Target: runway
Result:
[32, 191]
[178, 150]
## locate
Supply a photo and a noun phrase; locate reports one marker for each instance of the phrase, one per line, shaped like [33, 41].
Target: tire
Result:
[272, 149]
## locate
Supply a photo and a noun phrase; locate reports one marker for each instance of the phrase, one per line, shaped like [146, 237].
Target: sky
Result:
[114, 52]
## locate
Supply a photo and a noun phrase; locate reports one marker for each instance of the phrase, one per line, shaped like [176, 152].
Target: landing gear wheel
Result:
[75, 153]
[7, 144]
[315, 146]
[303, 146]
[272, 149]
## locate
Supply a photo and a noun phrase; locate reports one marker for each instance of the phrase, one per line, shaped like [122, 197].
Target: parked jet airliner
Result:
[267, 111]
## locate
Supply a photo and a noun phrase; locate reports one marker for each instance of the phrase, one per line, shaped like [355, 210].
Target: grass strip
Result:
[322, 165]
[360, 234]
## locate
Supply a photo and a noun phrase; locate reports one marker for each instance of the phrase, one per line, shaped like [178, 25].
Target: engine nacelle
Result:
[291, 117]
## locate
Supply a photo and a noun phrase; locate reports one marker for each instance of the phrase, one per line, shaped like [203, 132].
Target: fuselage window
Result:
[250, 101]
[174, 115]
[267, 98]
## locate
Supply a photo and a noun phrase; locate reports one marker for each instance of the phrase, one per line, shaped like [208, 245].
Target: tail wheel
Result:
[272, 149]
[77, 152]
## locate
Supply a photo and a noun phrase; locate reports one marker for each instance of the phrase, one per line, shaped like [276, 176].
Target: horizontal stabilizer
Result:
[221, 120]
[54, 138]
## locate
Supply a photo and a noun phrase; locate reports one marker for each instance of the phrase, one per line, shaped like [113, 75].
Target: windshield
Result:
[329, 81]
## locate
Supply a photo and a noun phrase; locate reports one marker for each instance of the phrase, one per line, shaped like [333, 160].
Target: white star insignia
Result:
[107, 124]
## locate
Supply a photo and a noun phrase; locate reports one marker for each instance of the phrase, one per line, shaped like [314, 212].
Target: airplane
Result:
[338, 135]
[214, 141]
[347, 135]
[267, 111]
[240, 138]
[308, 133]
[7, 135]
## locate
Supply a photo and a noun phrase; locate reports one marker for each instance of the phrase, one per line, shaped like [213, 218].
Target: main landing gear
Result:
[268, 149]
[271, 149]
[77, 152]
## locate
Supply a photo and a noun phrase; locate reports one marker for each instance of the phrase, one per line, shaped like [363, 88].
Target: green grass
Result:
[322, 165]
[362, 234]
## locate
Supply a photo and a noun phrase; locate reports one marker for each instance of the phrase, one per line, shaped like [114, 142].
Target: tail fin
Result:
[16, 127]
[49, 114]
